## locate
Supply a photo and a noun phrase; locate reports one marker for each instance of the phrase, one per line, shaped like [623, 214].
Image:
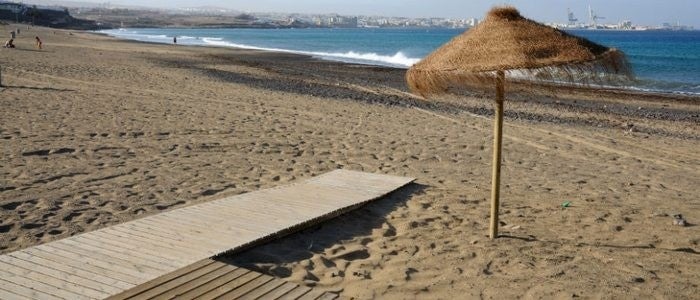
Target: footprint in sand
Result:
[55, 232]
[32, 225]
[11, 205]
[166, 206]
[388, 230]
[7, 188]
[71, 216]
[6, 228]
[354, 255]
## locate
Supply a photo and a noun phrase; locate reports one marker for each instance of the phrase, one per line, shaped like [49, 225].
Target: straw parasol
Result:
[506, 43]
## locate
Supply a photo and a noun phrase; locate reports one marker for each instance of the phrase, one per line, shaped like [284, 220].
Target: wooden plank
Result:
[186, 234]
[229, 214]
[198, 248]
[24, 291]
[107, 265]
[294, 204]
[295, 293]
[214, 209]
[251, 227]
[183, 254]
[119, 256]
[101, 259]
[57, 259]
[198, 276]
[143, 252]
[67, 269]
[309, 197]
[263, 289]
[86, 282]
[279, 217]
[227, 286]
[196, 230]
[6, 295]
[241, 226]
[354, 179]
[39, 282]
[122, 256]
[180, 287]
[264, 208]
[312, 196]
[239, 291]
[328, 296]
[203, 266]
[313, 294]
[192, 249]
[210, 286]
[279, 291]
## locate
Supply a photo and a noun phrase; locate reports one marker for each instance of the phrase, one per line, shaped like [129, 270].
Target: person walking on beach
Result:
[38, 42]
[175, 40]
[12, 35]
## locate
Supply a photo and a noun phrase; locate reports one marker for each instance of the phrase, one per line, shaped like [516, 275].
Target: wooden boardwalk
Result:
[219, 279]
[109, 261]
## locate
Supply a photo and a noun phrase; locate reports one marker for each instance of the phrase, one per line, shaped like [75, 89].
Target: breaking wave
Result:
[397, 60]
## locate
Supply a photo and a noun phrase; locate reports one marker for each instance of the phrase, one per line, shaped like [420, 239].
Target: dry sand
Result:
[96, 131]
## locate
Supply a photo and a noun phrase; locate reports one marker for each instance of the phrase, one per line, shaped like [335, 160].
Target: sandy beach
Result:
[96, 131]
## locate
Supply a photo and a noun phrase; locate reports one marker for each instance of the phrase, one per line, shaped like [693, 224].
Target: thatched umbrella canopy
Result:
[506, 43]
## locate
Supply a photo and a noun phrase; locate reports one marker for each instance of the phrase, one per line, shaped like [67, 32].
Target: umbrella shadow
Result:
[309, 242]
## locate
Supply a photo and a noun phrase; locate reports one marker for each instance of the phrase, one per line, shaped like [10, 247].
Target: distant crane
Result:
[572, 18]
[593, 17]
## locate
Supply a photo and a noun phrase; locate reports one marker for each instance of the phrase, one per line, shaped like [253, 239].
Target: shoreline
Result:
[357, 59]
[98, 131]
[333, 57]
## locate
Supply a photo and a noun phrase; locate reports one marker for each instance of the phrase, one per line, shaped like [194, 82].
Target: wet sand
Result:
[97, 131]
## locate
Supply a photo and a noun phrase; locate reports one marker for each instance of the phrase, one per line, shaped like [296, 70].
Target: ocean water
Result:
[663, 61]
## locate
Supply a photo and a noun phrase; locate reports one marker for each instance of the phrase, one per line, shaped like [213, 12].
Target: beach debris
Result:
[659, 214]
[679, 221]
[637, 280]
[338, 273]
[566, 204]
[408, 273]
[512, 227]
[364, 274]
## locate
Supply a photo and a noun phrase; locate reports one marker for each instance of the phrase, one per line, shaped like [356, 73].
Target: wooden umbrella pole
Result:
[497, 138]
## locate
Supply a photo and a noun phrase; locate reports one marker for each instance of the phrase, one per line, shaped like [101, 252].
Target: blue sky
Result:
[643, 12]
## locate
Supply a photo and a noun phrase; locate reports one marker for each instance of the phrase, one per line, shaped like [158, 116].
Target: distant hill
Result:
[54, 17]
[147, 18]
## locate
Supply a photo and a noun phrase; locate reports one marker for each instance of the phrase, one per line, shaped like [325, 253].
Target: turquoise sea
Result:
[664, 61]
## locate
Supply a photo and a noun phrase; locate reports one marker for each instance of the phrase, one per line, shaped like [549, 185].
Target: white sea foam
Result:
[397, 60]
